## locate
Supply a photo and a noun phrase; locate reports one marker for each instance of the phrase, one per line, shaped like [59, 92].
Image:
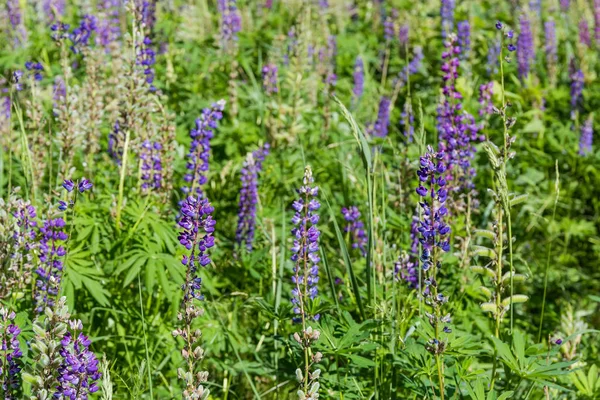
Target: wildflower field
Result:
[299, 199]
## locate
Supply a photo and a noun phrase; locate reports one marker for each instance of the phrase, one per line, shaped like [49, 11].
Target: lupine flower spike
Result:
[197, 237]
[306, 276]
[434, 240]
[249, 197]
[10, 355]
[355, 228]
[199, 154]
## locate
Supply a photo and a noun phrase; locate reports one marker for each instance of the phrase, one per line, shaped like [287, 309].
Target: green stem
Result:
[548, 257]
[122, 180]
[145, 338]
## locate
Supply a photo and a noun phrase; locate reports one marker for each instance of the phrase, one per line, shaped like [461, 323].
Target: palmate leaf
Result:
[533, 368]
[80, 272]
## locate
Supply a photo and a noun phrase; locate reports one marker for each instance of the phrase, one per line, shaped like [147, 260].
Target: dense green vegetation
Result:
[299, 199]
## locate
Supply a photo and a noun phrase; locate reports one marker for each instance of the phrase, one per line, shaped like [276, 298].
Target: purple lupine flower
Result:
[381, 125]
[78, 373]
[457, 128]
[51, 253]
[597, 21]
[447, 15]
[407, 120]
[197, 237]
[20, 263]
[492, 57]
[411, 69]
[564, 5]
[35, 69]
[305, 248]
[403, 34]
[587, 133]
[54, 9]
[269, 75]
[151, 161]
[115, 138]
[146, 57]
[577, 83]
[359, 80]
[550, 45]
[249, 197]
[584, 33]
[464, 38]
[59, 93]
[80, 37]
[406, 269]
[84, 185]
[525, 50]
[434, 235]
[292, 44]
[68, 185]
[323, 4]
[486, 91]
[199, 154]
[432, 188]
[109, 26]
[356, 229]
[5, 109]
[18, 31]
[535, 7]
[147, 13]
[388, 29]
[10, 353]
[231, 21]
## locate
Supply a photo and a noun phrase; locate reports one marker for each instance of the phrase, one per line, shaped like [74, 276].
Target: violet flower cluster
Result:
[457, 129]
[587, 134]
[597, 21]
[24, 235]
[434, 237]
[78, 373]
[231, 21]
[492, 57]
[432, 188]
[447, 15]
[197, 237]
[381, 125]
[356, 229]
[15, 17]
[35, 69]
[80, 37]
[486, 92]
[249, 197]
[525, 50]
[54, 9]
[464, 38]
[115, 138]
[10, 354]
[151, 165]
[359, 80]
[269, 75]
[403, 34]
[146, 57]
[584, 33]
[411, 69]
[550, 46]
[305, 248]
[199, 154]
[577, 83]
[109, 26]
[51, 255]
